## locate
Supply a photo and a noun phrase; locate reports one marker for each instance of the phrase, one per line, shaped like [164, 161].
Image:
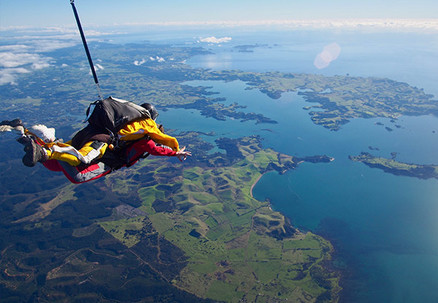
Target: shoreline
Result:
[254, 184]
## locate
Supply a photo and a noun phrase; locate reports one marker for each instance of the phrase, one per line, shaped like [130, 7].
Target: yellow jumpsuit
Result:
[66, 152]
[92, 151]
[147, 127]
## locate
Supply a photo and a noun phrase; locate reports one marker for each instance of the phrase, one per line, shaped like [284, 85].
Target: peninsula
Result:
[397, 168]
[340, 98]
[235, 248]
[173, 230]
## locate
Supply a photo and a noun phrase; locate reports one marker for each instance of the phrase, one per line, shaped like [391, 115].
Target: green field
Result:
[398, 168]
[237, 248]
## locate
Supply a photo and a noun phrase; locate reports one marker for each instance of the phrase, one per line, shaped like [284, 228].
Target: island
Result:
[342, 98]
[248, 48]
[162, 82]
[397, 168]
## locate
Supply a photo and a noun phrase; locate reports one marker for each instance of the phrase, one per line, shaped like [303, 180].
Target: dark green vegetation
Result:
[58, 253]
[341, 98]
[160, 231]
[163, 231]
[398, 168]
[234, 246]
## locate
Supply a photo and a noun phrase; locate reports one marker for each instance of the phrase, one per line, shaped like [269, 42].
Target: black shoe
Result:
[34, 153]
[13, 123]
[25, 140]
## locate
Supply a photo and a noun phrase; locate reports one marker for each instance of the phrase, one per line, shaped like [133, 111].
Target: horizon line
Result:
[386, 23]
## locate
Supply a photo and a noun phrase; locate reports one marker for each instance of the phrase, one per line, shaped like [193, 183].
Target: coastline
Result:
[328, 265]
[254, 184]
[397, 168]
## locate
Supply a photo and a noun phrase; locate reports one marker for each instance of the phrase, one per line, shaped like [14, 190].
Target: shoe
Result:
[34, 153]
[13, 123]
[25, 140]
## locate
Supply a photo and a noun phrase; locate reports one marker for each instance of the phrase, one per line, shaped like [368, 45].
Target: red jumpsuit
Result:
[85, 173]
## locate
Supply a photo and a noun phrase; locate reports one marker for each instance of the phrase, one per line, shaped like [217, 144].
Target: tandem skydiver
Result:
[93, 152]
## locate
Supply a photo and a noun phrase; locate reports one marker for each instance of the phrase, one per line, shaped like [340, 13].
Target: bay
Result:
[383, 227]
[379, 223]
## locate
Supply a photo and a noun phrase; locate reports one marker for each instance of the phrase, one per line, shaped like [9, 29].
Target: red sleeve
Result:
[150, 147]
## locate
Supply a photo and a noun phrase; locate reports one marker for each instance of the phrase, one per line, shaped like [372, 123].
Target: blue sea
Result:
[384, 228]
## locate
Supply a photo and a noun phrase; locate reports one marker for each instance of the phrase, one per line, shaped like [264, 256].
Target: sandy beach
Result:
[254, 184]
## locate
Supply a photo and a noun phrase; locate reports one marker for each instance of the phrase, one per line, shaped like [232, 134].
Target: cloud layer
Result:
[29, 51]
[18, 61]
[355, 24]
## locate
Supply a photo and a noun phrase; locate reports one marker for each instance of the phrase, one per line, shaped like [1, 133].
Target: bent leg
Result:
[52, 165]
[67, 153]
[84, 173]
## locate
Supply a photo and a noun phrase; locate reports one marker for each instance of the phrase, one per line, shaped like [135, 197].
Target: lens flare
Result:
[329, 53]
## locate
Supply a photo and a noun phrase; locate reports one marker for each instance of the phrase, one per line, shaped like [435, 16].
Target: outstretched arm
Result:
[151, 147]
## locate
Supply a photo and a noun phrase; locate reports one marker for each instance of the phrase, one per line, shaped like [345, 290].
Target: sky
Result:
[44, 13]
[31, 28]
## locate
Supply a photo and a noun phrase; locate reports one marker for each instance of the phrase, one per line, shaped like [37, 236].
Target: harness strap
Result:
[87, 51]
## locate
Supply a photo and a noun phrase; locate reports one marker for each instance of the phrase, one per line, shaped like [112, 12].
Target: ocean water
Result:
[405, 57]
[384, 227]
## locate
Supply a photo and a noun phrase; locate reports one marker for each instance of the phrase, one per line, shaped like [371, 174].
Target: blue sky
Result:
[36, 13]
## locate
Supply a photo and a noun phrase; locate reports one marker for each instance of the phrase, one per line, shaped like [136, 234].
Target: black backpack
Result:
[112, 114]
[105, 118]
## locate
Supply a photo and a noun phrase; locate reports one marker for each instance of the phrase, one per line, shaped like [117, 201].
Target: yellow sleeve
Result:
[147, 127]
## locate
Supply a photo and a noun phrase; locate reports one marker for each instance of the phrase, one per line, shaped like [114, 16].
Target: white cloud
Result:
[158, 59]
[27, 54]
[356, 24]
[215, 40]
[39, 65]
[10, 59]
[97, 67]
[329, 54]
[51, 33]
[9, 75]
[138, 63]
[14, 48]
[365, 24]
[154, 59]
[12, 64]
